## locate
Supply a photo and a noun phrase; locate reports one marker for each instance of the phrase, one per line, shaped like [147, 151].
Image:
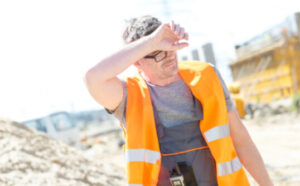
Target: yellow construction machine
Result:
[267, 67]
[234, 90]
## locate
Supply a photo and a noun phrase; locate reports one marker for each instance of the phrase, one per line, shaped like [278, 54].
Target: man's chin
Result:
[171, 71]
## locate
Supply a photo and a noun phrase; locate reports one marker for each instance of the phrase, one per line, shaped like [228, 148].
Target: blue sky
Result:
[46, 46]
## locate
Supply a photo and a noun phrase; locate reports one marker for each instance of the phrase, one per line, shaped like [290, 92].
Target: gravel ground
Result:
[278, 139]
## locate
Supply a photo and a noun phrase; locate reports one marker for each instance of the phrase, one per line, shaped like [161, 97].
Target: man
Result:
[160, 111]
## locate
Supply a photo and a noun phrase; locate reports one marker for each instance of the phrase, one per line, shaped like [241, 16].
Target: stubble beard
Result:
[170, 71]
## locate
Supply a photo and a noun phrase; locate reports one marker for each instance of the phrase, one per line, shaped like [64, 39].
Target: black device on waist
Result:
[182, 175]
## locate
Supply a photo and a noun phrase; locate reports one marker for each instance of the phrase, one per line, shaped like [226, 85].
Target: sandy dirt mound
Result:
[28, 157]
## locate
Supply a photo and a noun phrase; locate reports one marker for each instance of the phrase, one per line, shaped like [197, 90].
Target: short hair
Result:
[140, 27]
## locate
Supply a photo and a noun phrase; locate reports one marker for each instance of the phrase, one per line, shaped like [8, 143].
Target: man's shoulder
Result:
[194, 65]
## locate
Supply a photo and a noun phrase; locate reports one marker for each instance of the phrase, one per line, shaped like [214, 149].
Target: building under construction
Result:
[268, 66]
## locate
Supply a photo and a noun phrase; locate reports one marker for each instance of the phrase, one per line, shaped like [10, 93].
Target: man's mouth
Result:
[169, 63]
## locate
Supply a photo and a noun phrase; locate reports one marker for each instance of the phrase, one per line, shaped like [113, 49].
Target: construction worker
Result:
[180, 125]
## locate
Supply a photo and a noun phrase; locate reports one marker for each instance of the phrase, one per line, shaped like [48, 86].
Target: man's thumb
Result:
[178, 46]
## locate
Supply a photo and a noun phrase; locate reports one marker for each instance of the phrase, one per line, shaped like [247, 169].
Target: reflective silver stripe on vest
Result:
[217, 133]
[135, 185]
[145, 155]
[229, 167]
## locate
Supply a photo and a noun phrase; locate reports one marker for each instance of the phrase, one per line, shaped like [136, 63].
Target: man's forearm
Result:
[253, 162]
[247, 151]
[119, 61]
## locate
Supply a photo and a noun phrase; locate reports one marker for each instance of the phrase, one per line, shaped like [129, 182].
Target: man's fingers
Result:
[178, 46]
[178, 31]
[178, 28]
[172, 33]
[186, 36]
[173, 26]
[181, 33]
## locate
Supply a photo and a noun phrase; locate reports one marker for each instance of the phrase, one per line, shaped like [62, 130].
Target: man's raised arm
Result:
[101, 80]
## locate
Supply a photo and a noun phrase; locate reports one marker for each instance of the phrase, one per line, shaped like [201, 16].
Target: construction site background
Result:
[267, 68]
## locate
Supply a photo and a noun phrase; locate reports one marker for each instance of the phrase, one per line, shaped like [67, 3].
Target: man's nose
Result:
[171, 53]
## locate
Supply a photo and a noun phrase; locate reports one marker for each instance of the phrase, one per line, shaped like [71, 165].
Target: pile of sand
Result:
[28, 157]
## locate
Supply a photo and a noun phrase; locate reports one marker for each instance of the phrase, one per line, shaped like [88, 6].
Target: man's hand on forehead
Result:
[167, 37]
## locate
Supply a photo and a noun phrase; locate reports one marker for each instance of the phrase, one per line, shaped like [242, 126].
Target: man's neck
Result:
[162, 81]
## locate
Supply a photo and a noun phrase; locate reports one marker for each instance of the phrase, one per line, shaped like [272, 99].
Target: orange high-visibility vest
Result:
[143, 157]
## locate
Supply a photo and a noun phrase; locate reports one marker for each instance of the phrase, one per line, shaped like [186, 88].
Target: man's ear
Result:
[138, 63]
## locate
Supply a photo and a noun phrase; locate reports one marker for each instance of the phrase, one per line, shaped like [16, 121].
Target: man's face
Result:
[160, 64]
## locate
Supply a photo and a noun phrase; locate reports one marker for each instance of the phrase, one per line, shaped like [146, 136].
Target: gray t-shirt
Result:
[174, 104]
